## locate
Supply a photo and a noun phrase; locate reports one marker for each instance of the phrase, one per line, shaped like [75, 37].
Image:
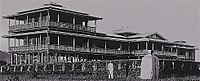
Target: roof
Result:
[53, 7]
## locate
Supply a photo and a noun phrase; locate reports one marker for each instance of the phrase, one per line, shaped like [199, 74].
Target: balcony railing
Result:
[67, 48]
[51, 24]
[181, 56]
[85, 49]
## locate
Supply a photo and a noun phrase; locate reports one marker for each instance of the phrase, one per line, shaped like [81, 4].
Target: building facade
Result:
[52, 34]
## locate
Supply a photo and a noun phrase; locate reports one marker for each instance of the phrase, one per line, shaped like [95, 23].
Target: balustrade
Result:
[84, 49]
[51, 24]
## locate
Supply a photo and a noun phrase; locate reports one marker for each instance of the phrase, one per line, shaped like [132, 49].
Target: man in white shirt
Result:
[111, 69]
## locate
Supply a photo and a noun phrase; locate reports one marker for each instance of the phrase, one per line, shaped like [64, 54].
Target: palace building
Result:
[52, 34]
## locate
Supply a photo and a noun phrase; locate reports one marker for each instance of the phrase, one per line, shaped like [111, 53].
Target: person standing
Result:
[110, 69]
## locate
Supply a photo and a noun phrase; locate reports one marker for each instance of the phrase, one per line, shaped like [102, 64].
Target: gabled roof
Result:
[148, 35]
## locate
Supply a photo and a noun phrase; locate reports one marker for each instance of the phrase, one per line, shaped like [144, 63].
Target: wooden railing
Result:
[28, 48]
[165, 53]
[85, 49]
[51, 24]
[181, 56]
[67, 48]
[28, 26]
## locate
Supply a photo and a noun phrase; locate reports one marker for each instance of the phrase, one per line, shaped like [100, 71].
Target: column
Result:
[36, 41]
[9, 24]
[42, 57]
[120, 46]
[48, 38]
[27, 18]
[25, 58]
[48, 15]
[15, 42]
[95, 23]
[138, 46]
[74, 42]
[162, 48]
[58, 17]
[129, 47]
[20, 59]
[88, 43]
[171, 48]
[29, 58]
[146, 45]
[8, 43]
[11, 59]
[27, 40]
[15, 21]
[65, 58]
[56, 57]
[19, 22]
[153, 46]
[40, 43]
[74, 21]
[18, 42]
[58, 40]
[16, 58]
[38, 58]
[40, 18]
[105, 45]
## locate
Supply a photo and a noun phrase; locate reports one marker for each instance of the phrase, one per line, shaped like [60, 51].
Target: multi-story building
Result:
[53, 34]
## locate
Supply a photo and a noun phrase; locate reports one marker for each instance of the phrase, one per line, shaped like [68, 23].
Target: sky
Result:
[173, 19]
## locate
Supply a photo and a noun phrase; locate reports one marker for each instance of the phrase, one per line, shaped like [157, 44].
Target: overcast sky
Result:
[174, 19]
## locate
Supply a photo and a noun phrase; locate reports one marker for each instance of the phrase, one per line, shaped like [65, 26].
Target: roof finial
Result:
[53, 4]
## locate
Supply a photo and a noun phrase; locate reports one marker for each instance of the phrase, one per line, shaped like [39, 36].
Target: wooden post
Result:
[74, 42]
[120, 46]
[15, 21]
[40, 18]
[25, 58]
[15, 42]
[95, 23]
[19, 22]
[162, 48]
[11, 59]
[105, 45]
[48, 15]
[171, 48]
[16, 59]
[18, 42]
[74, 21]
[29, 58]
[58, 17]
[20, 59]
[27, 19]
[88, 43]
[138, 46]
[40, 40]
[42, 57]
[153, 46]
[65, 58]
[146, 45]
[8, 43]
[9, 25]
[27, 40]
[56, 57]
[58, 40]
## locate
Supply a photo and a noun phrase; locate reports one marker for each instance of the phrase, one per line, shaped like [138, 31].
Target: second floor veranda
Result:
[50, 24]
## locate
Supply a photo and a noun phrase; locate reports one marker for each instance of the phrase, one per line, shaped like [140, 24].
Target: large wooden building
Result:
[53, 40]
[53, 34]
